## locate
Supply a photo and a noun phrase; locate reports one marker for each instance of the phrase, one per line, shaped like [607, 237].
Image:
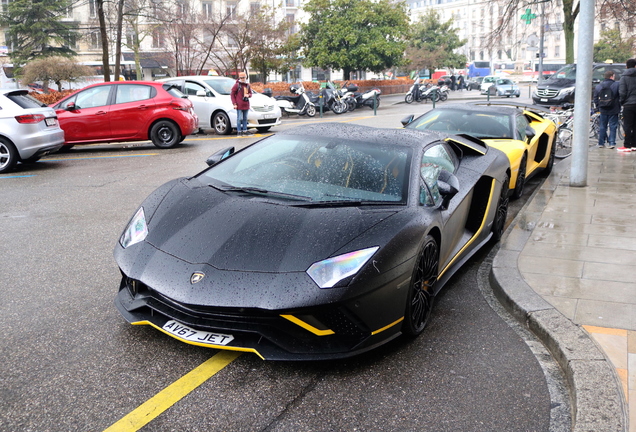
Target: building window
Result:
[557, 51]
[255, 8]
[230, 10]
[158, 39]
[95, 40]
[231, 42]
[208, 9]
[92, 8]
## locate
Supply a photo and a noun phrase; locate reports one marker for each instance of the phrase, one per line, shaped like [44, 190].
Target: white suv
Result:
[28, 129]
[213, 105]
[488, 81]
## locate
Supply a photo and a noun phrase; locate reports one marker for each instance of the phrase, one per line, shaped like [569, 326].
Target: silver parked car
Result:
[213, 104]
[28, 129]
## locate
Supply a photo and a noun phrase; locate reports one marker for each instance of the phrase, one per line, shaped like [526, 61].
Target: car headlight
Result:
[329, 272]
[136, 231]
[567, 91]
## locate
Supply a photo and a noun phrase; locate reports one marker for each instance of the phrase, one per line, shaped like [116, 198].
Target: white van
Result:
[213, 104]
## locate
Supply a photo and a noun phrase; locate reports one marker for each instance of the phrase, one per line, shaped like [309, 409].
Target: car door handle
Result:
[100, 113]
[142, 107]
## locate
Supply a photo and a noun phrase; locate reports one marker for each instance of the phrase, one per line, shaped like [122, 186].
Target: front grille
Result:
[550, 93]
[264, 108]
[258, 324]
[267, 121]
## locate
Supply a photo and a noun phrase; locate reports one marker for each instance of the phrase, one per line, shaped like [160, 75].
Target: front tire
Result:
[165, 134]
[221, 123]
[419, 303]
[521, 179]
[8, 156]
[563, 143]
[408, 98]
[311, 110]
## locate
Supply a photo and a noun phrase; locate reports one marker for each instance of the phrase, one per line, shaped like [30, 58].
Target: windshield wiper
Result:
[259, 191]
[345, 203]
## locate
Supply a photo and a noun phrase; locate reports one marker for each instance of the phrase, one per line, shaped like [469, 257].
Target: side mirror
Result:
[70, 106]
[268, 92]
[201, 93]
[530, 133]
[407, 120]
[219, 156]
[448, 186]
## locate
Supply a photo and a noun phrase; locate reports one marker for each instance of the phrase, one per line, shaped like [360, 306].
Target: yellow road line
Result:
[163, 400]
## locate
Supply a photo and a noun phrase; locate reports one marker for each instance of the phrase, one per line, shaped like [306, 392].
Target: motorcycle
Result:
[443, 92]
[332, 99]
[300, 104]
[366, 98]
[418, 92]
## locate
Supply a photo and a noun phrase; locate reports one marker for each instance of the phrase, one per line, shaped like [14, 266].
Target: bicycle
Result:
[563, 119]
[595, 122]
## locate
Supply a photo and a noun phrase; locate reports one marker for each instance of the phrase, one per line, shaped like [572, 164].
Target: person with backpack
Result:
[607, 102]
[627, 93]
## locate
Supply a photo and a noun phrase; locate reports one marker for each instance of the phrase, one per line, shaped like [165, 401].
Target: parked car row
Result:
[164, 112]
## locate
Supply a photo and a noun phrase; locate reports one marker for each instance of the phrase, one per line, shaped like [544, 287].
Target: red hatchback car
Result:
[127, 111]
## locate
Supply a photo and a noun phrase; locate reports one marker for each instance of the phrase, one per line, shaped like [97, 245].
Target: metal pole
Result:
[541, 36]
[580, 132]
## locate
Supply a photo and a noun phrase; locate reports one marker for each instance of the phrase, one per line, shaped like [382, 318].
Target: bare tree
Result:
[510, 12]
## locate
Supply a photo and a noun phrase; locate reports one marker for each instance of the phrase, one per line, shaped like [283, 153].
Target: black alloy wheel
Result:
[419, 302]
[165, 134]
[521, 178]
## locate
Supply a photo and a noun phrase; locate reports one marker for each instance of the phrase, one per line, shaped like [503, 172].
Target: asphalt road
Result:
[69, 362]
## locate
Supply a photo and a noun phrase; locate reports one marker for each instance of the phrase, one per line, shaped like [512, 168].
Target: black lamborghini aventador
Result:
[320, 242]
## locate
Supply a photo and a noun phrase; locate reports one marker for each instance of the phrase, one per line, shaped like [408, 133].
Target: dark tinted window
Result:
[24, 100]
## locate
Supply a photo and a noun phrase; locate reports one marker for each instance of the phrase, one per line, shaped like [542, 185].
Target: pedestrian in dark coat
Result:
[627, 94]
[241, 93]
[609, 110]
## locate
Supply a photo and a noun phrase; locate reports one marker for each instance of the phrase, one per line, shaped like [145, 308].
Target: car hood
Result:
[236, 231]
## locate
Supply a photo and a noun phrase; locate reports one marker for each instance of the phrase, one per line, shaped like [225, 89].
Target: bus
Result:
[478, 68]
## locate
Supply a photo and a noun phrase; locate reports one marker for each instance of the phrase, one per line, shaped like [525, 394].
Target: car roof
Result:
[506, 110]
[213, 77]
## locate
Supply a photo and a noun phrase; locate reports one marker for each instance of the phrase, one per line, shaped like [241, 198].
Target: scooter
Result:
[300, 104]
[363, 99]
[416, 92]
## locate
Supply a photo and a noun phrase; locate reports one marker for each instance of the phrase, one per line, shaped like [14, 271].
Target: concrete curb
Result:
[596, 396]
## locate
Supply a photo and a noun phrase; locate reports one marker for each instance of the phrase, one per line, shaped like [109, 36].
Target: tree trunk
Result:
[120, 18]
[569, 16]
[104, 37]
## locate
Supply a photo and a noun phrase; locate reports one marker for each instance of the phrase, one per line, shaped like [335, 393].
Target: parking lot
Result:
[71, 363]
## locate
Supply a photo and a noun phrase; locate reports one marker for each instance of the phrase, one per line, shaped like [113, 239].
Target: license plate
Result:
[544, 100]
[268, 116]
[50, 122]
[184, 332]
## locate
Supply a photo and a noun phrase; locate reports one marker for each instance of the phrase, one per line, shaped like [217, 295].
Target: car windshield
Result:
[221, 85]
[475, 123]
[568, 71]
[316, 170]
[504, 82]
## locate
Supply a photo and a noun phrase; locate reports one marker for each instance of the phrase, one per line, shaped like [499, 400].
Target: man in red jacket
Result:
[241, 93]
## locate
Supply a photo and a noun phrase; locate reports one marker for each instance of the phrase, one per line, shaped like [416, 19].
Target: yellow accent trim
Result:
[153, 407]
[478, 150]
[481, 227]
[386, 327]
[308, 327]
[220, 347]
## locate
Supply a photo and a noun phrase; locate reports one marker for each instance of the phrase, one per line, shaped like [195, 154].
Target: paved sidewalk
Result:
[576, 248]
